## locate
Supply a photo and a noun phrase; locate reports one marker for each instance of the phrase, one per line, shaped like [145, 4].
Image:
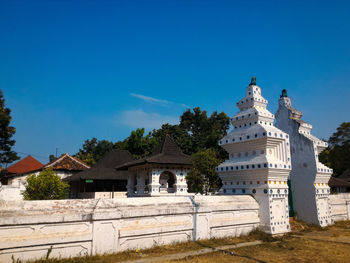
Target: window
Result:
[256, 135]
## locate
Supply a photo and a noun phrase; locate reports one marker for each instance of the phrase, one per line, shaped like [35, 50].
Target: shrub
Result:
[45, 186]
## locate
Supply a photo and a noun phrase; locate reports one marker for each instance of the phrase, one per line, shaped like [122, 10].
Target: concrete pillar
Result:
[131, 185]
[140, 187]
[154, 185]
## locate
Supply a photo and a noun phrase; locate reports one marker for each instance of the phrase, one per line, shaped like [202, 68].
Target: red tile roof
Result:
[67, 162]
[26, 165]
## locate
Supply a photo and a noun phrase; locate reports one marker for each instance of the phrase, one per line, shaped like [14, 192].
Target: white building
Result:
[309, 177]
[259, 160]
[163, 173]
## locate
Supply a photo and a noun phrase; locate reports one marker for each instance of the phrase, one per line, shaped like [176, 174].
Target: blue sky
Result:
[73, 70]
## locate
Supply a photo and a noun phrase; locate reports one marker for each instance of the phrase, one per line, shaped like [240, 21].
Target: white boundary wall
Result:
[97, 226]
[340, 204]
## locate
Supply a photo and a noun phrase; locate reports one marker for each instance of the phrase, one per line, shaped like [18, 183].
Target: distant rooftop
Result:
[104, 169]
[166, 153]
[67, 162]
[26, 165]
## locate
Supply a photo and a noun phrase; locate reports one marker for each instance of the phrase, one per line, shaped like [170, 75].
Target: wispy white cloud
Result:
[155, 100]
[149, 99]
[141, 119]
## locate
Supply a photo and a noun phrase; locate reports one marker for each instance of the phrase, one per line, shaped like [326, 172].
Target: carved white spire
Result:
[259, 160]
[309, 177]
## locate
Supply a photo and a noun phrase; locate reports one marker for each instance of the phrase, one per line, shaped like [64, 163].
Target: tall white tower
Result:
[309, 178]
[259, 160]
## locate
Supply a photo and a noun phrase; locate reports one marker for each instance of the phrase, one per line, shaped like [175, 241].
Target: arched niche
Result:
[167, 180]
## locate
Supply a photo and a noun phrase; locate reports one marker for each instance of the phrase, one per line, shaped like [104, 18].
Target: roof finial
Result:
[253, 81]
[284, 94]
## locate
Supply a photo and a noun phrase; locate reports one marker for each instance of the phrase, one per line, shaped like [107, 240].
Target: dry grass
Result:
[331, 244]
[161, 250]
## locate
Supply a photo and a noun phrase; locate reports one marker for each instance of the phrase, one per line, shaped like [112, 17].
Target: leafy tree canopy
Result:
[93, 150]
[337, 155]
[47, 185]
[205, 131]
[196, 133]
[203, 176]
[6, 133]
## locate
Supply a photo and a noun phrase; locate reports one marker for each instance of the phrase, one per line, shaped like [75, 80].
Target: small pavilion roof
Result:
[26, 165]
[104, 169]
[166, 153]
[346, 175]
[67, 162]
[337, 182]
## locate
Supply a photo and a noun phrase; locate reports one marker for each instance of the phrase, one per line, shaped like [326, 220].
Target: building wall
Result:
[97, 195]
[98, 226]
[11, 192]
[340, 204]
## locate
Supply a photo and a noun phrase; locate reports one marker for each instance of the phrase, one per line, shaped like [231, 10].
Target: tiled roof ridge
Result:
[69, 156]
[27, 164]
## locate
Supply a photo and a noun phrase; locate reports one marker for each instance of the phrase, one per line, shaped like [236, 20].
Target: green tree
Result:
[337, 155]
[205, 131]
[203, 176]
[138, 144]
[6, 132]
[181, 137]
[47, 185]
[93, 150]
[52, 158]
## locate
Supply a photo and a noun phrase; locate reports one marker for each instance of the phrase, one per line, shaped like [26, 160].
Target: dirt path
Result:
[194, 253]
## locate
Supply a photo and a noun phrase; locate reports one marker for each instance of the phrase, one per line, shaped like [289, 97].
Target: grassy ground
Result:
[305, 244]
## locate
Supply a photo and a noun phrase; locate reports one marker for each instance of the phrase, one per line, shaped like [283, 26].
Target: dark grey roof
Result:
[336, 182]
[166, 153]
[346, 175]
[104, 169]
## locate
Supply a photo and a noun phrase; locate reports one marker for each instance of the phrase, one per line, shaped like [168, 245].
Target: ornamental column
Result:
[131, 185]
[259, 160]
[140, 183]
[154, 185]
